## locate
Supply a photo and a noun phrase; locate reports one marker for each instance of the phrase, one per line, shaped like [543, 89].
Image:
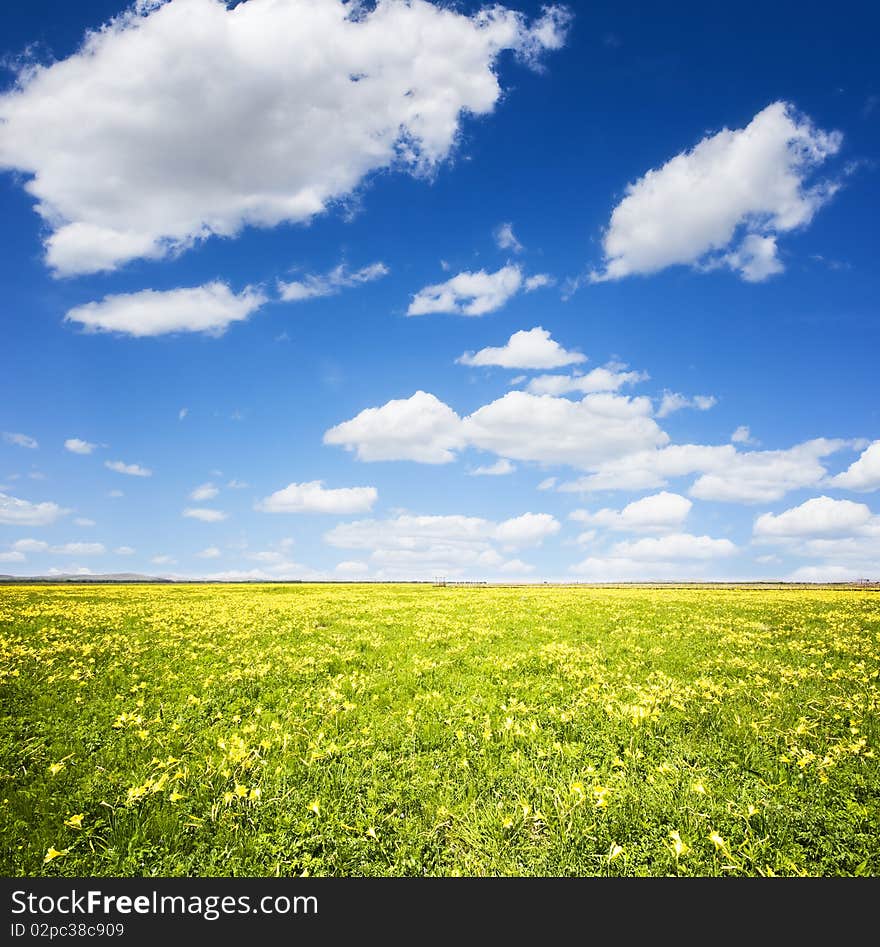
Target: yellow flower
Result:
[678, 846]
[175, 796]
[717, 841]
[371, 832]
[240, 790]
[699, 789]
[315, 806]
[54, 853]
[256, 792]
[56, 768]
[75, 821]
[228, 797]
[614, 852]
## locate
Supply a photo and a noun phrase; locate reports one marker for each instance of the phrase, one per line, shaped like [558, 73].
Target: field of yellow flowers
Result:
[412, 730]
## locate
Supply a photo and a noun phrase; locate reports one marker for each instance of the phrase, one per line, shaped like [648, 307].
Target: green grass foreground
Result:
[411, 730]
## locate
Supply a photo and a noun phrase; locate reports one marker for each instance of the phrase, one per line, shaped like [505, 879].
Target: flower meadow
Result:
[262, 730]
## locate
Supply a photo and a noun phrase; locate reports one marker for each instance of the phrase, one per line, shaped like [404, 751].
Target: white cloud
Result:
[20, 440]
[182, 413]
[16, 512]
[408, 546]
[204, 514]
[115, 494]
[212, 552]
[163, 560]
[764, 476]
[863, 474]
[210, 308]
[79, 549]
[228, 117]
[516, 567]
[206, 491]
[77, 446]
[132, 470]
[742, 435]
[30, 545]
[498, 469]
[599, 379]
[12, 555]
[538, 281]
[124, 551]
[673, 547]
[658, 513]
[475, 293]
[548, 483]
[540, 428]
[530, 529]
[314, 497]
[469, 294]
[339, 278]
[352, 567]
[525, 349]
[673, 401]
[820, 516]
[506, 239]
[691, 210]
[518, 426]
[237, 485]
[421, 428]
[83, 521]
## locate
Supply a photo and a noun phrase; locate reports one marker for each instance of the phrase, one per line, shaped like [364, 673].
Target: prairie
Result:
[361, 730]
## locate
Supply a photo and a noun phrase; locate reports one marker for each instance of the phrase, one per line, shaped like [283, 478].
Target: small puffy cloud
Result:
[83, 521]
[673, 547]
[505, 238]
[863, 474]
[743, 435]
[831, 572]
[212, 552]
[206, 491]
[532, 349]
[12, 555]
[475, 294]
[163, 560]
[252, 114]
[20, 440]
[314, 497]
[530, 529]
[661, 512]
[115, 494]
[79, 549]
[329, 284]
[599, 379]
[77, 446]
[124, 551]
[17, 512]
[673, 401]
[30, 545]
[544, 429]
[182, 413]
[352, 567]
[751, 181]
[237, 485]
[516, 567]
[421, 428]
[498, 469]
[131, 470]
[818, 517]
[469, 294]
[548, 483]
[205, 514]
[210, 308]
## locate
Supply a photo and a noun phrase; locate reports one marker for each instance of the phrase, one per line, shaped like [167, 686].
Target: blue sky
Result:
[301, 289]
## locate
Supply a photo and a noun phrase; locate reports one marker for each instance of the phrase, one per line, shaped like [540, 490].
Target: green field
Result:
[412, 730]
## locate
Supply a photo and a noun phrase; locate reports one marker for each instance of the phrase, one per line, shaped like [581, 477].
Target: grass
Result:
[411, 730]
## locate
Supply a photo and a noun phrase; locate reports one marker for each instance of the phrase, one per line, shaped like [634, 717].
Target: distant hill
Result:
[73, 577]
